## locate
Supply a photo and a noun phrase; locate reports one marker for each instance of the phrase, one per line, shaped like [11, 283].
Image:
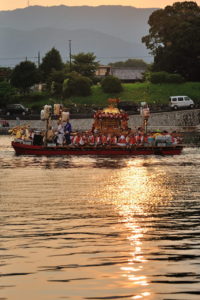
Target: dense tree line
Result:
[130, 63]
[174, 39]
[61, 80]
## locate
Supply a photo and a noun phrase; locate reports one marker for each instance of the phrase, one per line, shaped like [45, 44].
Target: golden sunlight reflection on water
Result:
[133, 191]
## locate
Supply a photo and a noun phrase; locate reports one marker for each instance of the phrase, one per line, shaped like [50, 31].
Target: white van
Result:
[177, 102]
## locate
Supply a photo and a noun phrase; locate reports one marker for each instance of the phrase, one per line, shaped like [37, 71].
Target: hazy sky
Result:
[13, 4]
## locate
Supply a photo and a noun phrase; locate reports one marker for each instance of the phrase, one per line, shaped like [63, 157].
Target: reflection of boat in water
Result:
[110, 135]
[24, 149]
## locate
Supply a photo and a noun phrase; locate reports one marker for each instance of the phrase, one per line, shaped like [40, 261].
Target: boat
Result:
[25, 149]
[110, 123]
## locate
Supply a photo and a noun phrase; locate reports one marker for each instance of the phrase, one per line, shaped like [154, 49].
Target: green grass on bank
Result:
[135, 92]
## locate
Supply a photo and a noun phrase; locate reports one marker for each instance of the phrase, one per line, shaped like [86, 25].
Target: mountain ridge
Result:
[118, 28]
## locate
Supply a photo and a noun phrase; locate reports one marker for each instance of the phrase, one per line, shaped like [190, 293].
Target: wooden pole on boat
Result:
[145, 125]
[145, 114]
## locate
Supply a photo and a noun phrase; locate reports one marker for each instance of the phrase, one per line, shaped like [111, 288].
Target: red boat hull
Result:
[23, 149]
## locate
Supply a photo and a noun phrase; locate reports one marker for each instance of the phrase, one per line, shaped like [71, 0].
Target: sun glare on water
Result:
[134, 192]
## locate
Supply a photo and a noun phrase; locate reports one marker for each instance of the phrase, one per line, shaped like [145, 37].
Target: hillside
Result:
[111, 32]
[155, 94]
[138, 92]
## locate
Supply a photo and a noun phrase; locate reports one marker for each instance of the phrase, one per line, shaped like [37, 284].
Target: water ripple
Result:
[99, 228]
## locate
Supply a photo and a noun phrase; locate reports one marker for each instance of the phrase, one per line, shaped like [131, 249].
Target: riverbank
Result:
[186, 122]
[181, 121]
[155, 94]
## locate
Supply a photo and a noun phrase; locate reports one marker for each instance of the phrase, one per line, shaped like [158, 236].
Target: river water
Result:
[99, 228]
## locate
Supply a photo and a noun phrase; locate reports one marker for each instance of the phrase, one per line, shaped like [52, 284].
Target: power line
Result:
[37, 59]
[104, 57]
[11, 58]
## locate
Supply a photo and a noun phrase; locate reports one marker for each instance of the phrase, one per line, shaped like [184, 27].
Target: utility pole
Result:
[38, 59]
[70, 56]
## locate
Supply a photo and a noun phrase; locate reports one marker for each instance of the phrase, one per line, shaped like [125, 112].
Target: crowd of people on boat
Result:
[63, 136]
[138, 138]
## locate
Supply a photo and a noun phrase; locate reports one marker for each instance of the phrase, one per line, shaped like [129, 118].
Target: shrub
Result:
[174, 78]
[7, 92]
[158, 77]
[165, 77]
[77, 85]
[111, 84]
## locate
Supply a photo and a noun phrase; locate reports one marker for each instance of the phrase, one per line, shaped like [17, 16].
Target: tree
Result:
[25, 75]
[5, 73]
[7, 91]
[77, 85]
[51, 61]
[55, 82]
[111, 84]
[85, 64]
[174, 39]
[130, 63]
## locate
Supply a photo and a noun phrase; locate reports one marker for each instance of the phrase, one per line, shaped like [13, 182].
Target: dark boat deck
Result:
[23, 149]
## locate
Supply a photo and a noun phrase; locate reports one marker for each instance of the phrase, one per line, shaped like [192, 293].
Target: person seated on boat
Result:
[103, 139]
[168, 138]
[159, 138]
[72, 139]
[113, 140]
[22, 133]
[18, 133]
[121, 140]
[108, 139]
[132, 140]
[82, 139]
[50, 135]
[38, 138]
[86, 138]
[139, 138]
[91, 139]
[97, 140]
[145, 140]
[174, 140]
[151, 139]
[26, 134]
[127, 139]
[67, 132]
[76, 139]
[31, 134]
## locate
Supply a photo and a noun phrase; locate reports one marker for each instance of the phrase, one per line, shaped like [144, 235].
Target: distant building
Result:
[39, 87]
[128, 74]
[125, 74]
[103, 71]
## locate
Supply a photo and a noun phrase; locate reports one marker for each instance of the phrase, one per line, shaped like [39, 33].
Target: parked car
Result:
[127, 106]
[4, 123]
[16, 109]
[178, 102]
